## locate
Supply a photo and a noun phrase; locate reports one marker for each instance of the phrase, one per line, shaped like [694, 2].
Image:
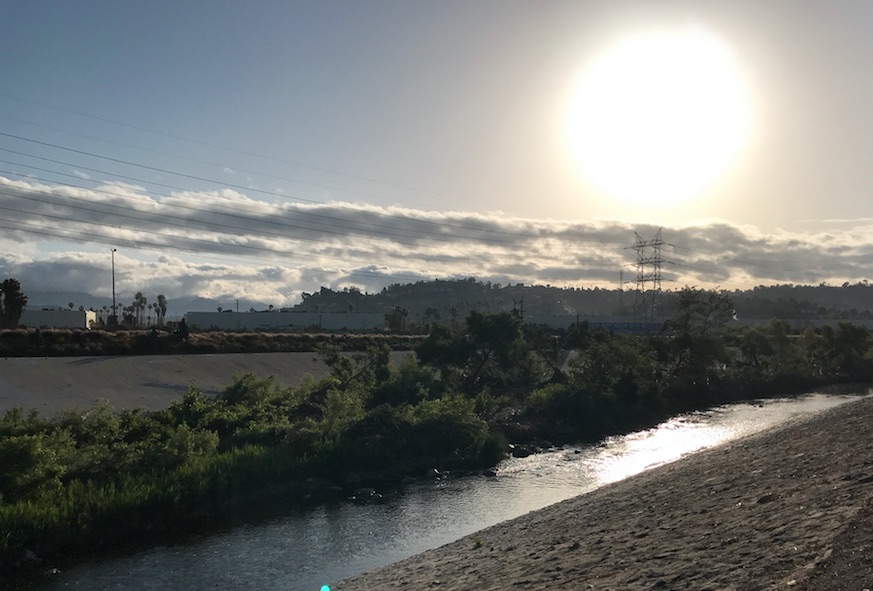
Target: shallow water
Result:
[303, 551]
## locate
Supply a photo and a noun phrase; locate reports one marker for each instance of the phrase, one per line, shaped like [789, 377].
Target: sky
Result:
[262, 149]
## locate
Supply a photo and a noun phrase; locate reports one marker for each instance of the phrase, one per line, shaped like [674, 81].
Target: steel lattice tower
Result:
[648, 294]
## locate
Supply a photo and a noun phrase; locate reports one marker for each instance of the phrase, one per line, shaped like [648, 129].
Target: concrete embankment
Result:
[52, 384]
[789, 509]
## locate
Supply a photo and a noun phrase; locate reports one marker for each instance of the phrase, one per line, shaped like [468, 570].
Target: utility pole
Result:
[113, 320]
[621, 292]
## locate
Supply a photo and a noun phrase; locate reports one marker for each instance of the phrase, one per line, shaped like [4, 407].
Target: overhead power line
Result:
[80, 236]
[322, 227]
[236, 168]
[243, 188]
[233, 150]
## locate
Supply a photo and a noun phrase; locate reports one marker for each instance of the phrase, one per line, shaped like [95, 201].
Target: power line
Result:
[332, 221]
[184, 238]
[351, 231]
[242, 152]
[235, 168]
[165, 217]
[79, 236]
[242, 188]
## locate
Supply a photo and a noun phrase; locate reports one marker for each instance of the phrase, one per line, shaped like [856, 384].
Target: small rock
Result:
[521, 452]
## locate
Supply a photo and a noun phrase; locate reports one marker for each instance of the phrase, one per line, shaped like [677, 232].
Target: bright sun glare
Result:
[658, 117]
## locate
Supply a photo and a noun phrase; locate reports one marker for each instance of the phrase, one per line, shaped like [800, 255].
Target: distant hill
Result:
[441, 300]
[447, 301]
[62, 299]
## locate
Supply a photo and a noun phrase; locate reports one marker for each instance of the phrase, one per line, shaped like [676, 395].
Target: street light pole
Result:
[113, 321]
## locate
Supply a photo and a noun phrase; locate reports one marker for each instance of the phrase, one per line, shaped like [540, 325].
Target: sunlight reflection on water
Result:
[625, 456]
[326, 544]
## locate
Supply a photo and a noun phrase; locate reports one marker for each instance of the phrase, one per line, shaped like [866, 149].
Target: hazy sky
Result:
[260, 149]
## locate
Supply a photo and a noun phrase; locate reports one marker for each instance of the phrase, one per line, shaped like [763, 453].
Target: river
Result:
[305, 550]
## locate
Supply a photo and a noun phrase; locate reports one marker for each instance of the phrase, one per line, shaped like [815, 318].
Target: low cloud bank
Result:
[225, 244]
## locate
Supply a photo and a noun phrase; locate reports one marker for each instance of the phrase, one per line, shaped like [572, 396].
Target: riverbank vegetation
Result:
[97, 478]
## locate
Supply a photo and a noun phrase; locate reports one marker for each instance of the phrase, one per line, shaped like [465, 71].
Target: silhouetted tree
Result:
[161, 308]
[698, 328]
[12, 304]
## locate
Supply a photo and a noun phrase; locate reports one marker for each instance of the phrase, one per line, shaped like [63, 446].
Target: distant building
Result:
[51, 318]
[614, 324]
[284, 321]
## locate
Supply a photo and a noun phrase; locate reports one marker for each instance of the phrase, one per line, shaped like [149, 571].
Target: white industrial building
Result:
[49, 318]
[617, 324]
[284, 321]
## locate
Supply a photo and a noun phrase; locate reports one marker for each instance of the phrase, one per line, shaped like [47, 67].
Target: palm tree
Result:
[162, 309]
[135, 305]
[139, 306]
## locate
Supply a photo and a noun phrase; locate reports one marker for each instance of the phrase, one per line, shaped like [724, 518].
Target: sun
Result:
[658, 117]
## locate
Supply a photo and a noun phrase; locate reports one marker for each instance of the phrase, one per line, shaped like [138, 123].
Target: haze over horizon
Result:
[259, 151]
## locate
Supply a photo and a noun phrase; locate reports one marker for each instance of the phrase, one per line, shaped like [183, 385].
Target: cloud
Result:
[225, 244]
[81, 175]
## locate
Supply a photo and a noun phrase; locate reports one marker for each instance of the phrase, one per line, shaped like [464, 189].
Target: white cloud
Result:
[223, 243]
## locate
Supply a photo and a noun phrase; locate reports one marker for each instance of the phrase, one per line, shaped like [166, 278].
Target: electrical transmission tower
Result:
[648, 295]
